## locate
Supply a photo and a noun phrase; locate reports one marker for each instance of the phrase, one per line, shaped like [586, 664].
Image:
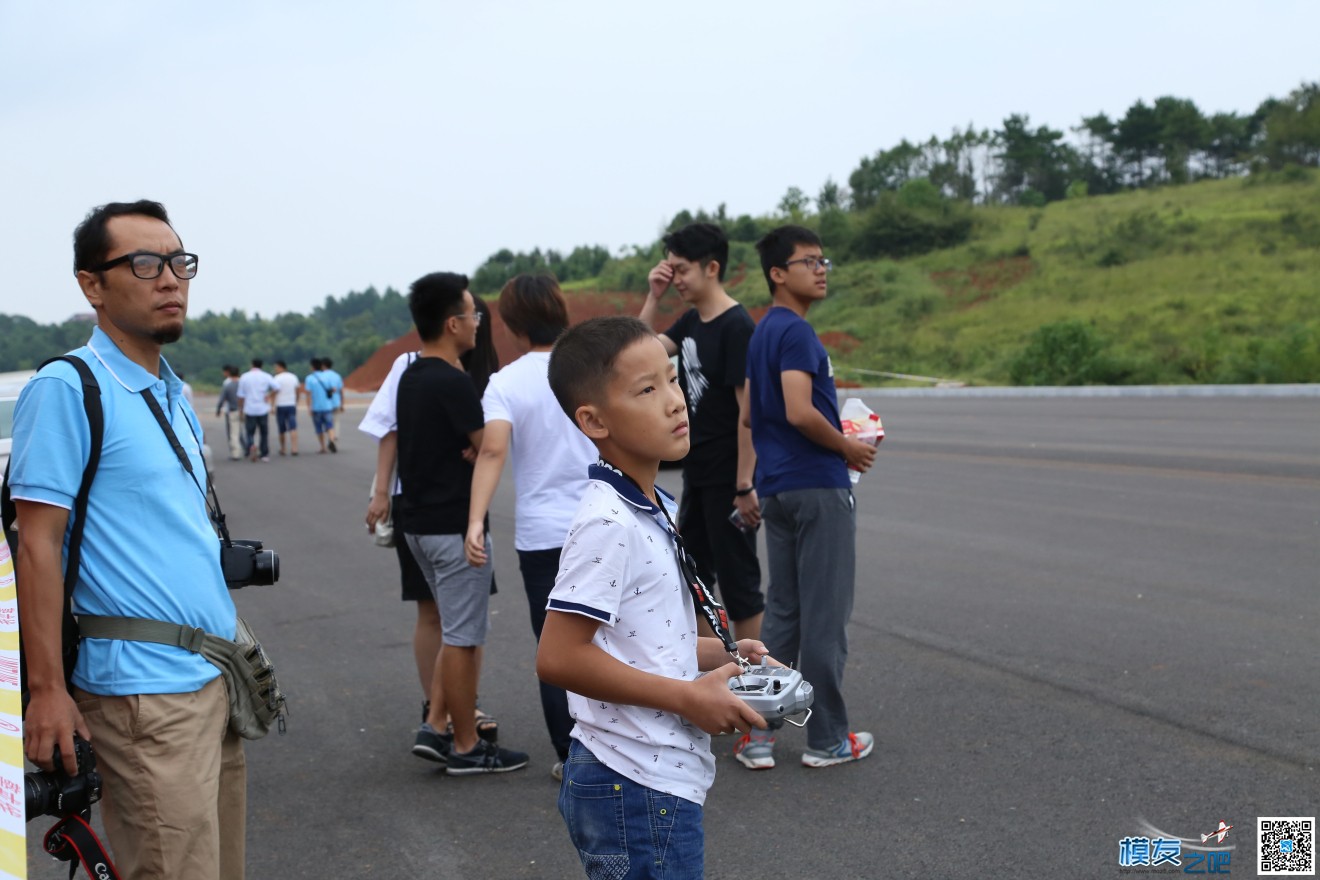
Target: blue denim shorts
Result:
[323, 421]
[626, 831]
[286, 418]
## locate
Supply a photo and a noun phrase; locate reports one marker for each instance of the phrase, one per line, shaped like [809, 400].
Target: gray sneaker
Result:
[557, 771]
[755, 753]
[486, 757]
[854, 748]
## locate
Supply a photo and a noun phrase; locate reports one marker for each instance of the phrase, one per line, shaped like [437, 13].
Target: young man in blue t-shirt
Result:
[807, 505]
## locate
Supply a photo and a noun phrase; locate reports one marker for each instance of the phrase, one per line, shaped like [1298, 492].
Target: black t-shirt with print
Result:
[712, 362]
[438, 408]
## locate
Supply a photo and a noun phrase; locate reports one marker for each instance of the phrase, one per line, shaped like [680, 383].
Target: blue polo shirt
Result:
[319, 383]
[785, 458]
[148, 547]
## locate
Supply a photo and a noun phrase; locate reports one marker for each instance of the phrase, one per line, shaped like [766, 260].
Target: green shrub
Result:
[1064, 353]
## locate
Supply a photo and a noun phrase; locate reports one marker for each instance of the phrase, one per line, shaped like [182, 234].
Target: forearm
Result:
[587, 670]
[816, 428]
[746, 457]
[41, 611]
[650, 306]
[485, 480]
[386, 455]
[711, 654]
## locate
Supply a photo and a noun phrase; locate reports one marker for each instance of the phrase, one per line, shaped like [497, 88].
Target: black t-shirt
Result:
[438, 408]
[712, 362]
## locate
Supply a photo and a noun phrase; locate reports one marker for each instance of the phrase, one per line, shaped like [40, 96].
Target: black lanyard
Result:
[713, 611]
[211, 499]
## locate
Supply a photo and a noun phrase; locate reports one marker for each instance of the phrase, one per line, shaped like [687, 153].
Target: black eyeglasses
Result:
[148, 266]
[813, 263]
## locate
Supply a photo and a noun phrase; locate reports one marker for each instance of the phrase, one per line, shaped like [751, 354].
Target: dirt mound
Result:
[581, 305]
[972, 286]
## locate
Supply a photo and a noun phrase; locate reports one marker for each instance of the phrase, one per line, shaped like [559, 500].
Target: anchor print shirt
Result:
[619, 567]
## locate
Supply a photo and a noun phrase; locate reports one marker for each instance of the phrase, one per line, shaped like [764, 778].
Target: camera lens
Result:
[265, 568]
[39, 793]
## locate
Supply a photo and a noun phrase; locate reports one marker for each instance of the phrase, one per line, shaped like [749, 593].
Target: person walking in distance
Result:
[256, 390]
[286, 406]
[228, 404]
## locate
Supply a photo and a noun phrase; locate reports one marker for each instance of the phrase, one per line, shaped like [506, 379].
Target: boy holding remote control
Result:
[620, 632]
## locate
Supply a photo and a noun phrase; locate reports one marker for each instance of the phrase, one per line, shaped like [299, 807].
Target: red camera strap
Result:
[72, 840]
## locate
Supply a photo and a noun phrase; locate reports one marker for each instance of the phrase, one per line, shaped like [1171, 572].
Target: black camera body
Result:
[246, 564]
[56, 793]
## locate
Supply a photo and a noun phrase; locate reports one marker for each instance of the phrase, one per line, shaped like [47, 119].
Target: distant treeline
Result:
[347, 329]
[916, 197]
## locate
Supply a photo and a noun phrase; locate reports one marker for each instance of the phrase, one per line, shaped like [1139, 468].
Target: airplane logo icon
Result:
[1219, 834]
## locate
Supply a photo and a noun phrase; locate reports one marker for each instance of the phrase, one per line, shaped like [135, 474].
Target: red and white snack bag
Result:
[860, 422]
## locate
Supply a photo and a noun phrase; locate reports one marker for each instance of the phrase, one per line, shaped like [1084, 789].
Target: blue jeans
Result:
[626, 831]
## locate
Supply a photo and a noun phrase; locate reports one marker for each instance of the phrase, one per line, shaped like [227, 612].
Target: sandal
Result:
[487, 727]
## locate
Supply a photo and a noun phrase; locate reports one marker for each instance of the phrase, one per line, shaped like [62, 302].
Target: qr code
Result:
[1286, 845]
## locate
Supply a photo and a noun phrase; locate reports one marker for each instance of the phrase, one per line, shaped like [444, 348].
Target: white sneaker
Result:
[557, 771]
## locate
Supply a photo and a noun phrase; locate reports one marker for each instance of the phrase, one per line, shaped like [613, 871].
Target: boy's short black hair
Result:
[777, 247]
[257, 362]
[701, 243]
[282, 365]
[582, 362]
[434, 299]
[327, 363]
[315, 363]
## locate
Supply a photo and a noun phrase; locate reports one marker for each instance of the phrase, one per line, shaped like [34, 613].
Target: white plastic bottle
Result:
[860, 423]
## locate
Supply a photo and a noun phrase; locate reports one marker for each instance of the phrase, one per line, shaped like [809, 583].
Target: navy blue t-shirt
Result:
[785, 458]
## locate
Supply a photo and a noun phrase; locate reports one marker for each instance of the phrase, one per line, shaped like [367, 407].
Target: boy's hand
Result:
[716, 709]
[859, 454]
[660, 278]
[753, 650]
[474, 545]
[749, 508]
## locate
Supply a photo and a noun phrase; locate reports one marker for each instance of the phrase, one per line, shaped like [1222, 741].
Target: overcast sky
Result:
[306, 149]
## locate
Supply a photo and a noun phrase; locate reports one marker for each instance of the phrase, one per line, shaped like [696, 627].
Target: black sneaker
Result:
[333, 447]
[485, 758]
[431, 745]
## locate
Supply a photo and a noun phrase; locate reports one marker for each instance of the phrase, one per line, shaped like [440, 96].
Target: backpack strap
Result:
[96, 425]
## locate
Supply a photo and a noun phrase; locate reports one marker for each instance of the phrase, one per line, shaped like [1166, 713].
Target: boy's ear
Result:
[778, 275]
[589, 422]
[712, 270]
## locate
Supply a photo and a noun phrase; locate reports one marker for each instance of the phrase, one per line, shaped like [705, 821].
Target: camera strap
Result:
[72, 840]
[208, 494]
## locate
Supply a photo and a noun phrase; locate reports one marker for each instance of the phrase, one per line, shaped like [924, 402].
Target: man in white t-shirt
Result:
[256, 389]
[550, 460]
[286, 406]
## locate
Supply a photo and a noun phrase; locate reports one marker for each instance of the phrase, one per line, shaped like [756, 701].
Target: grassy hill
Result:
[1204, 283]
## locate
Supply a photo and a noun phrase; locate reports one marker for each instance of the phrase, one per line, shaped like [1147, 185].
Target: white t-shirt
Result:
[287, 395]
[619, 568]
[383, 415]
[550, 455]
[253, 386]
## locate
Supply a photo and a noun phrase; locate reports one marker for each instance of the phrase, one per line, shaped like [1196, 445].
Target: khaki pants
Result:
[234, 434]
[175, 783]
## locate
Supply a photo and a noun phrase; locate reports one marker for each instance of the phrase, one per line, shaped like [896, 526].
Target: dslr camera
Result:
[56, 793]
[246, 564]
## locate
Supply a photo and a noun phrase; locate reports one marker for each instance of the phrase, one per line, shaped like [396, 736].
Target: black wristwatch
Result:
[743, 493]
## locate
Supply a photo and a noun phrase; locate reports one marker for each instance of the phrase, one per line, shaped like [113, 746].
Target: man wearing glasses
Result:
[802, 459]
[156, 716]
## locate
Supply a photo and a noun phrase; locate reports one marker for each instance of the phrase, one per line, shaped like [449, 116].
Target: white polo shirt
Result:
[253, 386]
[619, 568]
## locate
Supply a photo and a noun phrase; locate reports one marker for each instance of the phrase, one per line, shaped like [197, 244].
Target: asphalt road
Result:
[1072, 615]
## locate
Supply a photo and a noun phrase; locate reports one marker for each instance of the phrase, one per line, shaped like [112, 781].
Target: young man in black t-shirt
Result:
[440, 419]
[710, 340]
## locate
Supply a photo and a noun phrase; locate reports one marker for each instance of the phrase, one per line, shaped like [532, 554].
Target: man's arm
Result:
[386, 455]
[494, 450]
[52, 715]
[813, 425]
[658, 282]
[749, 506]
[567, 658]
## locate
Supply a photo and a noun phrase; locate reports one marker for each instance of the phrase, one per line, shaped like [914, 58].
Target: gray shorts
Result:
[462, 593]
